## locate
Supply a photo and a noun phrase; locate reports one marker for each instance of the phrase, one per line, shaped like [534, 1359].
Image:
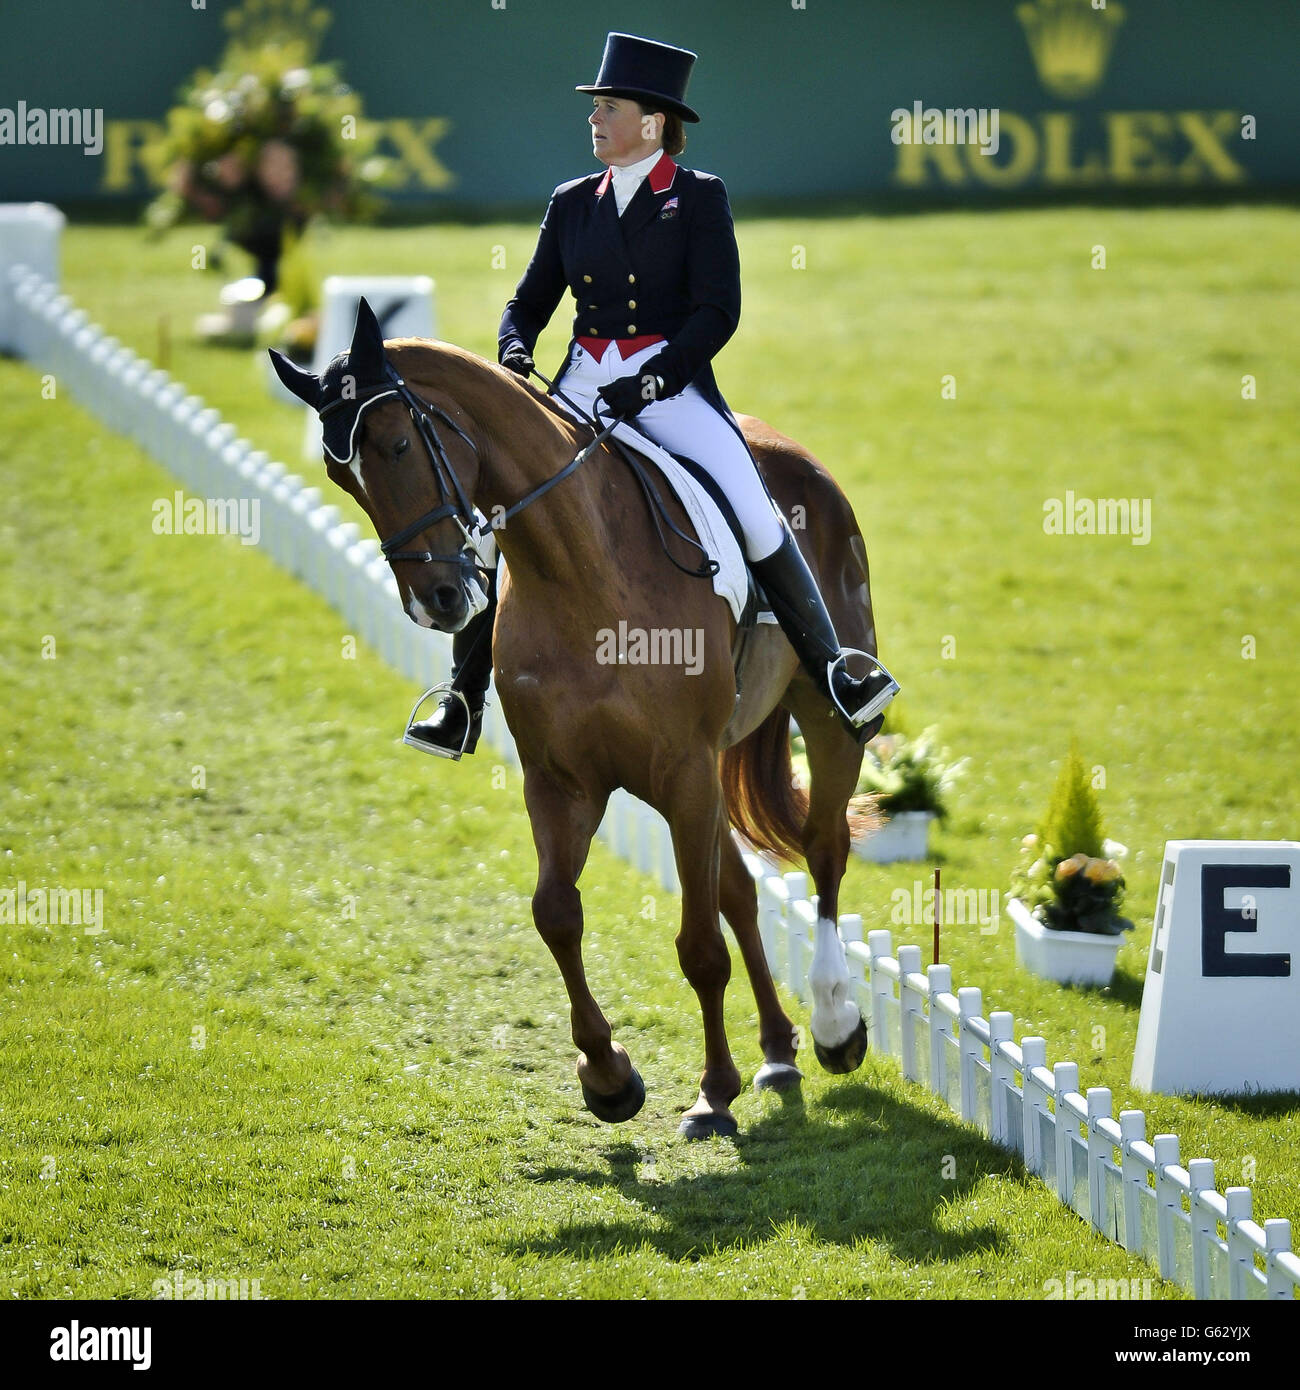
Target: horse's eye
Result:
[401, 447]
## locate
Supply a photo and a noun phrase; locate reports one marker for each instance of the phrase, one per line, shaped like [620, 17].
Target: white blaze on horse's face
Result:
[354, 463]
[418, 611]
[835, 1016]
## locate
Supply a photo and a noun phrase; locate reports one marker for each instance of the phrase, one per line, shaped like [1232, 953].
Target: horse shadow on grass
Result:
[861, 1166]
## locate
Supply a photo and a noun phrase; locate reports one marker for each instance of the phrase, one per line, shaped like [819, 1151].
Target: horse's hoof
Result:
[706, 1126]
[848, 1056]
[778, 1076]
[622, 1105]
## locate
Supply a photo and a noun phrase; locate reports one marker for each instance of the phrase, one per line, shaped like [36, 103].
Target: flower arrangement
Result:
[262, 144]
[1068, 877]
[901, 773]
[909, 774]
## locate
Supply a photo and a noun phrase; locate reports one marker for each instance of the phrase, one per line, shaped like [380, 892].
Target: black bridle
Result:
[449, 485]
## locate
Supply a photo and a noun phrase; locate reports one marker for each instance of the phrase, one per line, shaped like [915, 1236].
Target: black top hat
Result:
[645, 70]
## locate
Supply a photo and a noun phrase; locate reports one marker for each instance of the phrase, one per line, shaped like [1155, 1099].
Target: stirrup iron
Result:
[873, 707]
[455, 755]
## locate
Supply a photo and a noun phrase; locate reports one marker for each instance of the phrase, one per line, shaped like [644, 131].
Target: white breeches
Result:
[684, 424]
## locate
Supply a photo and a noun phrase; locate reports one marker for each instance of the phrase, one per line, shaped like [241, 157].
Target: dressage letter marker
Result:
[1221, 1004]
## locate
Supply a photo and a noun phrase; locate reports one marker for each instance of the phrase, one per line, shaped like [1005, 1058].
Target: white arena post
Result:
[1035, 1082]
[1002, 1080]
[29, 237]
[1065, 1080]
[911, 1010]
[939, 981]
[1133, 1130]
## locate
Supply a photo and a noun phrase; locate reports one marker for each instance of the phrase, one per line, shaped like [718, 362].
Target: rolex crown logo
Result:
[1070, 41]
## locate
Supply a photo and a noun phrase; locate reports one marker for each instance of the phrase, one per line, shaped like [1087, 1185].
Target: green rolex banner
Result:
[471, 102]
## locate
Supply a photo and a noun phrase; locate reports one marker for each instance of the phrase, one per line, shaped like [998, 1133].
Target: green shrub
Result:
[1064, 876]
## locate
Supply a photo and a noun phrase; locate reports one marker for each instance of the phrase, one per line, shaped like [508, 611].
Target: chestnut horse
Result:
[430, 427]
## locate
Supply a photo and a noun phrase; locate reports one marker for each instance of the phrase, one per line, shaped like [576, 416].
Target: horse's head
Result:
[389, 448]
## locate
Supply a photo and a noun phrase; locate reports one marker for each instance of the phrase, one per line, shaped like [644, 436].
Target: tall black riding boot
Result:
[471, 670]
[797, 603]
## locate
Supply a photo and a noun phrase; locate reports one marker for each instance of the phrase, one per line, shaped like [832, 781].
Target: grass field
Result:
[380, 1100]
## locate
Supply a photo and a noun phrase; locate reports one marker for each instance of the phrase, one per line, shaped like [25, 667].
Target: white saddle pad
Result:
[711, 529]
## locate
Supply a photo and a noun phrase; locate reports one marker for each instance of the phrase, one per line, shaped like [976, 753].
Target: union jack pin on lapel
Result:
[669, 209]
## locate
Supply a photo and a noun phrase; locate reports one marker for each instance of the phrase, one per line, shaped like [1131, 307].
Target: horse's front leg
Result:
[695, 819]
[562, 829]
[776, 1035]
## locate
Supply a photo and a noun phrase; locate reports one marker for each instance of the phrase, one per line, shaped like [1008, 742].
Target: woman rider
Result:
[649, 251]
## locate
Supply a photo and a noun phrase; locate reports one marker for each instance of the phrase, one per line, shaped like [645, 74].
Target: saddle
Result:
[718, 538]
[753, 607]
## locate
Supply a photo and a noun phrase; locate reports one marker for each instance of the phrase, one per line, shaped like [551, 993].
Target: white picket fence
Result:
[1133, 1192]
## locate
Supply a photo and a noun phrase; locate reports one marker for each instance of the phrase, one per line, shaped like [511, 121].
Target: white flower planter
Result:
[902, 837]
[1068, 957]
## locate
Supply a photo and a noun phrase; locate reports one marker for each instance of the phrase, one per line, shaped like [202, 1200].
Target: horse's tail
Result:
[762, 802]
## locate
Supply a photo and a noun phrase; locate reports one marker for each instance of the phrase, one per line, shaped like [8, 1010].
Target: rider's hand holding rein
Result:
[630, 395]
[518, 359]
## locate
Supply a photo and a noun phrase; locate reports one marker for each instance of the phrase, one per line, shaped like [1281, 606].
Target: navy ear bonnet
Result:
[346, 394]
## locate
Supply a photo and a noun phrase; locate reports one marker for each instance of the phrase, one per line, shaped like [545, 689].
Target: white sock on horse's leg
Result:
[835, 1015]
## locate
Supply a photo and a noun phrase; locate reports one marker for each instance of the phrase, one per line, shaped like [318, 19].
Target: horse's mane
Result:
[451, 369]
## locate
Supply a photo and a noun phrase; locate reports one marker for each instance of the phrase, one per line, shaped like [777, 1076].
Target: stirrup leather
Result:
[873, 707]
[454, 754]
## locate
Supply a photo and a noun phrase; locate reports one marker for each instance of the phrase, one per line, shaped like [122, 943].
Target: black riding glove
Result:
[665, 378]
[517, 359]
[630, 395]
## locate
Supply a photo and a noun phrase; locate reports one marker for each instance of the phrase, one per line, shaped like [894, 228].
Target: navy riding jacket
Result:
[668, 266]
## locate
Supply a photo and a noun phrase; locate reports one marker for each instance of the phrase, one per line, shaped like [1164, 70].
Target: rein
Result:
[460, 509]
[654, 503]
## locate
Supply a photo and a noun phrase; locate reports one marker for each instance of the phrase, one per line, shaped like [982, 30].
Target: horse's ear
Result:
[304, 384]
[366, 355]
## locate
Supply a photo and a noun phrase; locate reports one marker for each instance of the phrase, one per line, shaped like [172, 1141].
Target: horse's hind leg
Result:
[776, 1035]
[562, 831]
[695, 818]
[834, 760]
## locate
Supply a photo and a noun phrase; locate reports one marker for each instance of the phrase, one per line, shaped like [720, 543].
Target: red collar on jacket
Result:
[660, 178]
